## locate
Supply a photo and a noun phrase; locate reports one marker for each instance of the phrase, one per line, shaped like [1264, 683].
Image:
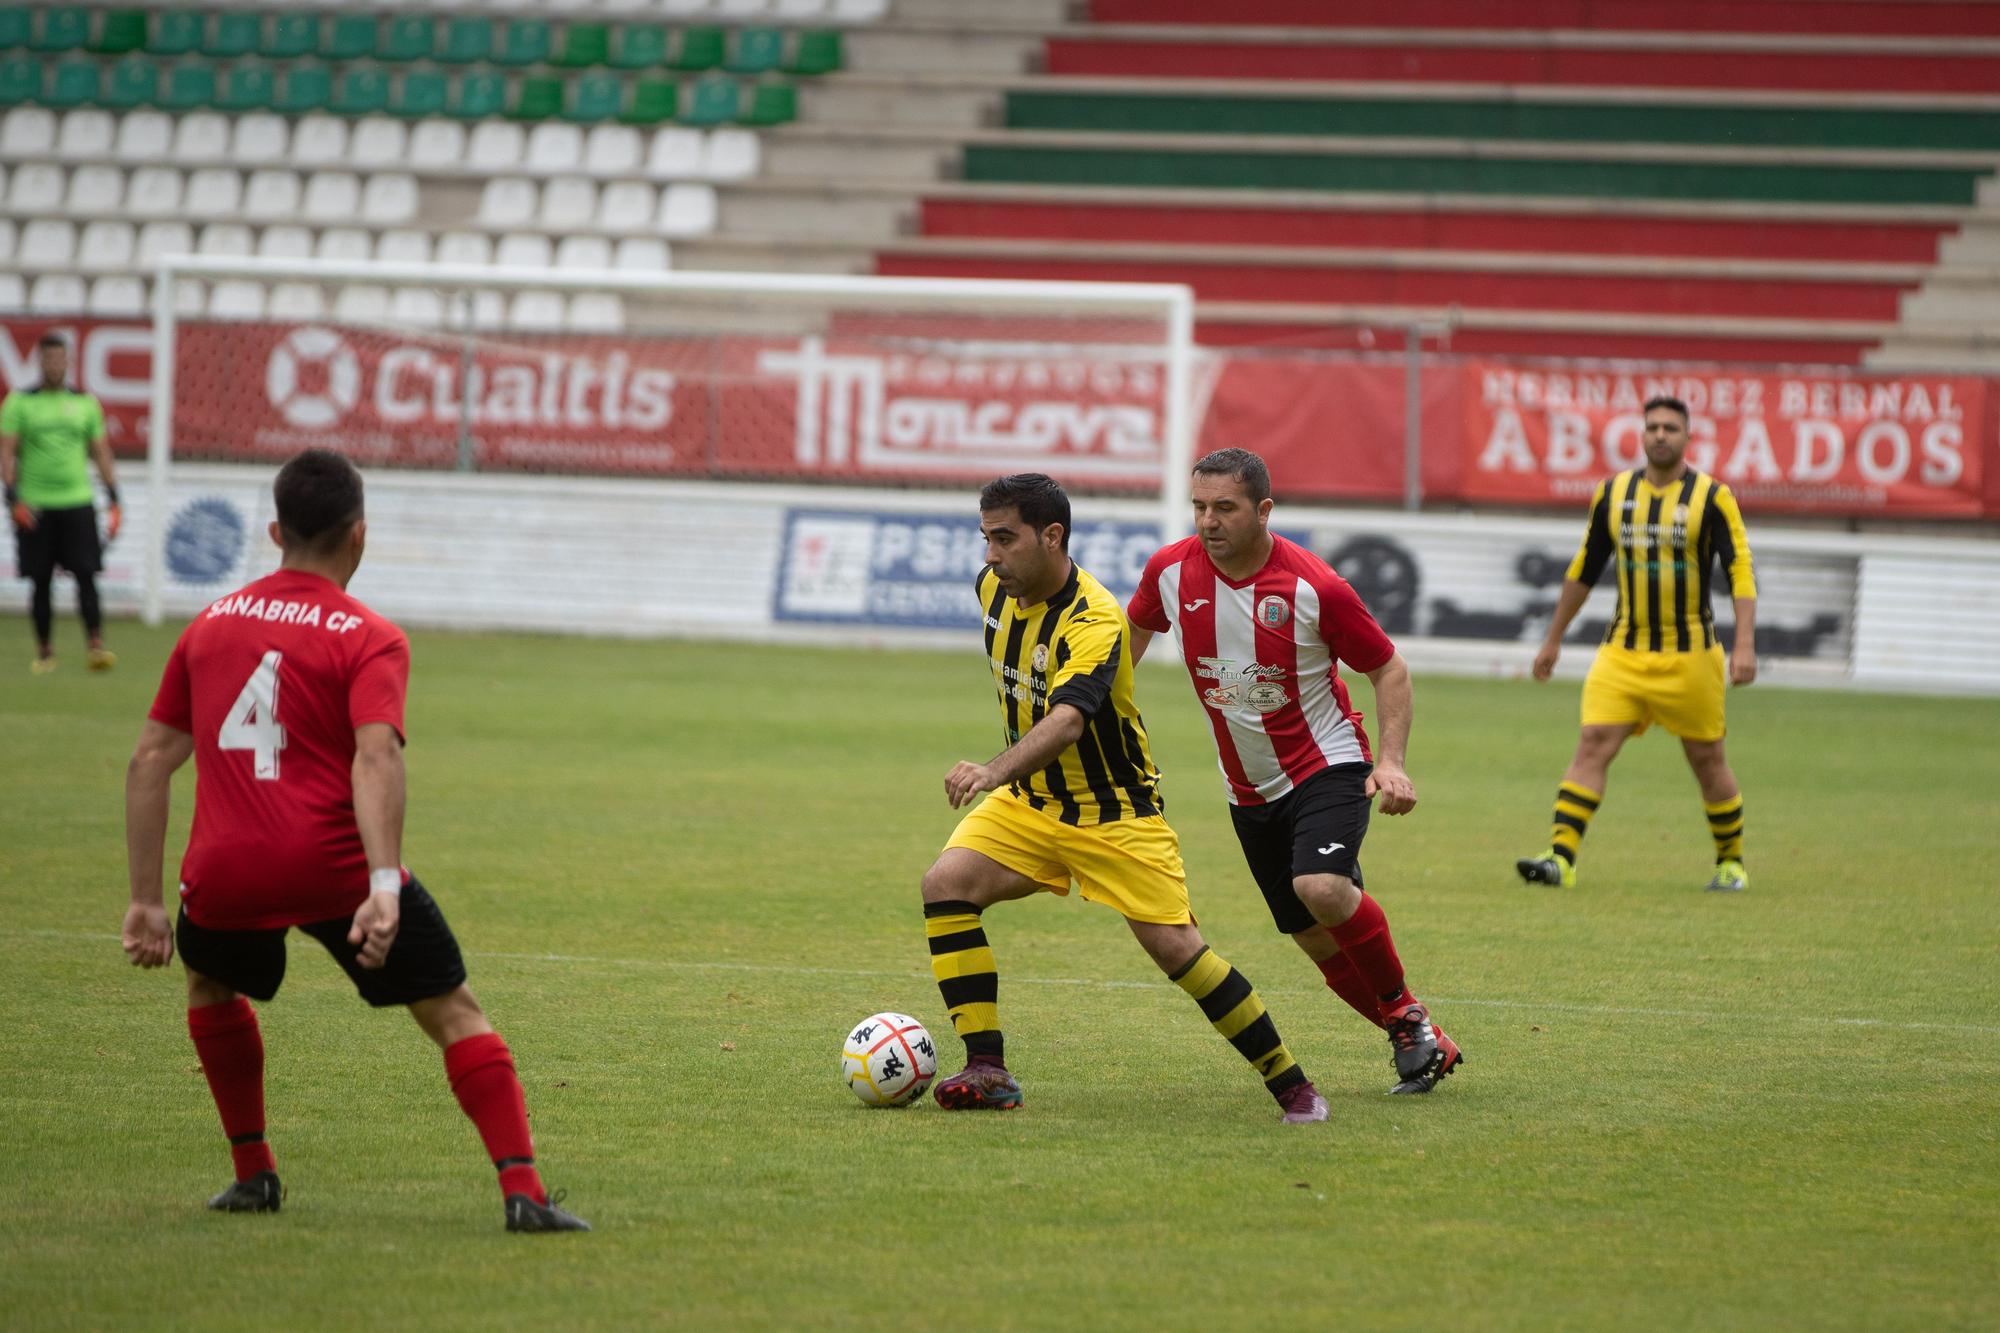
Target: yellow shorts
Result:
[1680, 691]
[1132, 866]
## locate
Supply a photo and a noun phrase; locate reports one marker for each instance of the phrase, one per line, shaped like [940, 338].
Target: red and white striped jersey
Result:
[1264, 656]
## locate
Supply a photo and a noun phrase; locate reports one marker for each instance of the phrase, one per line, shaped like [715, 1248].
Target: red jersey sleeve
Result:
[174, 704]
[1348, 628]
[380, 679]
[1144, 610]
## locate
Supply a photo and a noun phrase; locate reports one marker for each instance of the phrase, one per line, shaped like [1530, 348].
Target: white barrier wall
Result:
[1466, 593]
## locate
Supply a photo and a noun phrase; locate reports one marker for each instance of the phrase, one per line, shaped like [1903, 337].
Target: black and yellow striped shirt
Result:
[1072, 649]
[1668, 543]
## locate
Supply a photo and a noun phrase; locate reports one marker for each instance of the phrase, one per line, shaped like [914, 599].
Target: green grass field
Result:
[681, 871]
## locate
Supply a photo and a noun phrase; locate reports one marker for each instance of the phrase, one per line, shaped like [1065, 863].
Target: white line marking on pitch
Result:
[1099, 983]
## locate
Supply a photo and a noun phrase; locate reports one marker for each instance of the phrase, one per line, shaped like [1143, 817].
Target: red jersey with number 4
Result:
[271, 682]
[1264, 655]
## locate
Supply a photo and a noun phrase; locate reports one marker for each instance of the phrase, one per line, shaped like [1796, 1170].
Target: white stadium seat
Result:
[687, 210]
[362, 303]
[213, 192]
[742, 9]
[86, 134]
[201, 136]
[389, 199]
[163, 238]
[522, 251]
[583, 252]
[378, 141]
[236, 298]
[536, 310]
[627, 206]
[554, 146]
[642, 254]
[37, 188]
[229, 239]
[106, 246]
[486, 309]
[859, 11]
[403, 247]
[9, 234]
[676, 154]
[332, 196]
[507, 201]
[95, 189]
[568, 202]
[319, 141]
[417, 305]
[686, 8]
[46, 243]
[272, 194]
[28, 131]
[596, 312]
[144, 137]
[117, 294]
[496, 146]
[793, 10]
[612, 150]
[731, 154]
[437, 144]
[13, 292]
[3, 180]
[285, 243]
[259, 137]
[296, 300]
[464, 247]
[153, 192]
[57, 294]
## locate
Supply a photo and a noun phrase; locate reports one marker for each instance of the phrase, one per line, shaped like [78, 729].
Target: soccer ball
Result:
[888, 1060]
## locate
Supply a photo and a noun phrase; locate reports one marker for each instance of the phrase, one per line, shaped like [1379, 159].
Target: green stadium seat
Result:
[75, 84]
[409, 37]
[537, 99]
[247, 88]
[176, 32]
[189, 88]
[755, 51]
[305, 88]
[348, 37]
[772, 104]
[527, 43]
[119, 31]
[478, 95]
[699, 48]
[584, 45]
[595, 97]
[20, 80]
[815, 53]
[420, 92]
[467, 41]
[638, 47]
[232, 34]
[653, 100]
[65, 28]
[15, 23]
[361, 92]
[715, 102]
[291, 36]
[132, 83]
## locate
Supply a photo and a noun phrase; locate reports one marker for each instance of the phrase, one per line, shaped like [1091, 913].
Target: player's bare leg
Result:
[1576, 804]
[1722, 801]
[1231, 1005]
[481, 1070]
[231, 1049]
[960, 885]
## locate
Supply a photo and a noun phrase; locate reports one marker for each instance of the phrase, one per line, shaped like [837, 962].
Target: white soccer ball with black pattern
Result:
[888, 1060]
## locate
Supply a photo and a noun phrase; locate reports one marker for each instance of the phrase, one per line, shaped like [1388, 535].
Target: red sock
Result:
[1364, 938]
[231, 1048]
[481, 1070]
[1345, 981]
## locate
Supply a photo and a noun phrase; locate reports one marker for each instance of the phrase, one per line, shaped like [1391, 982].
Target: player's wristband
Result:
[388, 881]
[111, 494]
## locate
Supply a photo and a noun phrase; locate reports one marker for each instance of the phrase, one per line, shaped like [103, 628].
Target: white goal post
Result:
[1085, 380]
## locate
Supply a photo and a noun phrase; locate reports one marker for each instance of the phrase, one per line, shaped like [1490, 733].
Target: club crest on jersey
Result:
[1041, 657]
[1273, 612]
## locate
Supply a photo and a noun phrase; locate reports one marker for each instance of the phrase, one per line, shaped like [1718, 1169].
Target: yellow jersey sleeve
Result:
[1597, 545]
[1089, 649]
[1732, 545]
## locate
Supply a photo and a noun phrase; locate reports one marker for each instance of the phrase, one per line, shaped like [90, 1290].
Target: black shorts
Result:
[1314, 829]
[423, 962]
[65, 537]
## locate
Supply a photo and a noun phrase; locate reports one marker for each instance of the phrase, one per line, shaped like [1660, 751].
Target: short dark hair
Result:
[1669, 402]
[319, 500]
[1241, 464]
[1039, 499]
[53, 339]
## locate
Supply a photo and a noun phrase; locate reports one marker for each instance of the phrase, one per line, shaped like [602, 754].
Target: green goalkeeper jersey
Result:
[56, 429]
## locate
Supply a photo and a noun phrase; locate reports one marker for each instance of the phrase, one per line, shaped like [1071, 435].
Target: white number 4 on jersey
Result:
[252, 723]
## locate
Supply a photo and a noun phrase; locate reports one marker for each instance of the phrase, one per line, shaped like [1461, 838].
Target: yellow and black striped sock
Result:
[1575, 804]
[966, 975]
[1725, 825]
[1231, 1004]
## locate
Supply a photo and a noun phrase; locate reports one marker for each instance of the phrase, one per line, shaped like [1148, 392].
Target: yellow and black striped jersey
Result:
[1072, 649]
[1668, 542]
